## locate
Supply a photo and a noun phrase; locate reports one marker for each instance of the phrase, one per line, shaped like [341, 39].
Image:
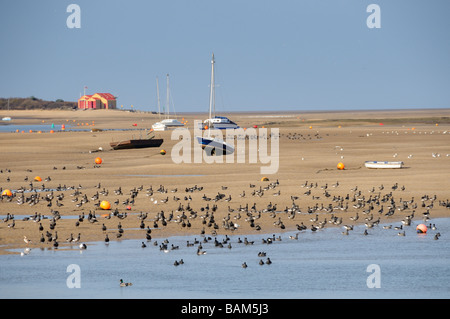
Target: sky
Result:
[271, 55]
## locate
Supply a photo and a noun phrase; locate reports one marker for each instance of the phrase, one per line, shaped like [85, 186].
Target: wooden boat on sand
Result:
[137, 143]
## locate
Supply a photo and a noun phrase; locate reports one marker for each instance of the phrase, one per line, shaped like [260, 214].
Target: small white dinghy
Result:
[378, 164]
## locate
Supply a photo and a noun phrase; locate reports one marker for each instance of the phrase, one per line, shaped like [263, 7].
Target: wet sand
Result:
[310, 146]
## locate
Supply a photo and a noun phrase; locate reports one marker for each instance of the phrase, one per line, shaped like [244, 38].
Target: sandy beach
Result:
[311, 144]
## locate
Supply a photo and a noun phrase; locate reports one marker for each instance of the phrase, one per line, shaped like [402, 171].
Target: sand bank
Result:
[310, 146]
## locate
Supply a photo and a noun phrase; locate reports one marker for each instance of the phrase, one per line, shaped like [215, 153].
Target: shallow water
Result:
[322, 264]
[27, 127]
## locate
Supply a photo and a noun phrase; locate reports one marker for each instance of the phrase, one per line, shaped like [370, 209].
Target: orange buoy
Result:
[421, 229]
[98, 160]
[340, 166]
[52, 131]
[105, 205]
[38, 179]
[162, 152]
[7, 192]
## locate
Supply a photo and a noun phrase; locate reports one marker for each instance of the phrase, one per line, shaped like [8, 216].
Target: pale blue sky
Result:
[270, 55]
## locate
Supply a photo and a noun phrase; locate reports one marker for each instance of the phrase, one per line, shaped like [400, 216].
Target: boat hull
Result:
[377, 164]
[166, 125]
[143, 143]
[220, 123]
[215, 146]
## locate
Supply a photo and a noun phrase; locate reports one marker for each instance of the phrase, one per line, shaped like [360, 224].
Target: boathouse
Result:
[97, 101]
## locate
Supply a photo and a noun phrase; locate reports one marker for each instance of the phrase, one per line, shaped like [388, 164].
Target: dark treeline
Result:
[33, 103]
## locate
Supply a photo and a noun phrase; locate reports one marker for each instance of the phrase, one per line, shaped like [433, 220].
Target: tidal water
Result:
[27, 127]
[322, 264]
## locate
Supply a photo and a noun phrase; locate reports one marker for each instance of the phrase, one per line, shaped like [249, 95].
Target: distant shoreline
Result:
[263, 112]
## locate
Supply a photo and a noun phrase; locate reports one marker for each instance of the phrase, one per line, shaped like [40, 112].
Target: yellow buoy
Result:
[7, 192]
[340, 165]
[105, 205]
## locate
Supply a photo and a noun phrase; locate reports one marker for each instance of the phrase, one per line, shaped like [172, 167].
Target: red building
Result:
[97, 101]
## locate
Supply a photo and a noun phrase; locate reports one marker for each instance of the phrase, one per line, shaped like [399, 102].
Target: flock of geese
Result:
[369, 207]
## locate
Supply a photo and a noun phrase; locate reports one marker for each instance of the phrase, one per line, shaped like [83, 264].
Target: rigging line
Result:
[221, 108]
[173, 105]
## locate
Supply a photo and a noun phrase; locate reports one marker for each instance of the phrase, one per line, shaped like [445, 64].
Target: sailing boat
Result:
[213, 145]
[217, 122]
[167, 123]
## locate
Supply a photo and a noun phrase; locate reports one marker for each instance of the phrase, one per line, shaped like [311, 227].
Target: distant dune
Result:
[33, 103]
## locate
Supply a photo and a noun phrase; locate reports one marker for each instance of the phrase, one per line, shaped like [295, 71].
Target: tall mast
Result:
[212, 98]
[157, 94]
[167, 97]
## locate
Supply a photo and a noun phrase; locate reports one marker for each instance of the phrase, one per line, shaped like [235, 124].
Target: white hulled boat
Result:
[167, 123]
[378, 164]
[221, 123]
